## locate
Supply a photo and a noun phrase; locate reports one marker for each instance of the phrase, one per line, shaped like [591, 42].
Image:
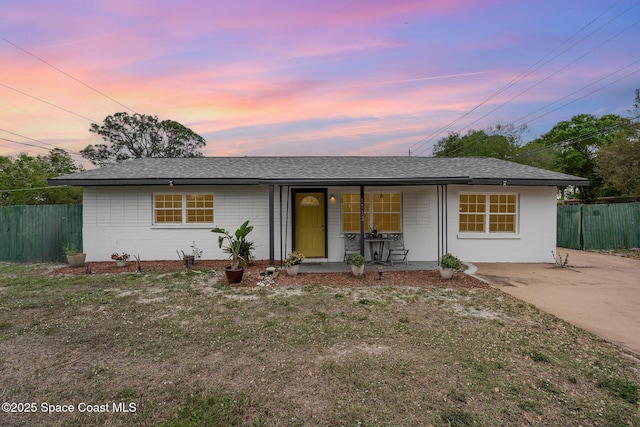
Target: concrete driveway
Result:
[597, 292]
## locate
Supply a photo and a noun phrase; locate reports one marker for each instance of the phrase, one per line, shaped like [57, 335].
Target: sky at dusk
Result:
[348, 77]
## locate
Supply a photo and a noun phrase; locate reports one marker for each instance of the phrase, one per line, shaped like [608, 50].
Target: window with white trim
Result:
[173, 208]
[487, 213]
[382, 212]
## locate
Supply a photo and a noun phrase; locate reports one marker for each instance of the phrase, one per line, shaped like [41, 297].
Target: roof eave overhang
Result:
[317, 181]
[345, 182]
[152, 181]
[530, 182]
[257, 181]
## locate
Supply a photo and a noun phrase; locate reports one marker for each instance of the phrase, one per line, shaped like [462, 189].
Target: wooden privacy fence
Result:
[37, 233]
[612, 226]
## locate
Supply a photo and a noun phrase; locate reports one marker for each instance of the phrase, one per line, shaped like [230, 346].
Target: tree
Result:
[24, 179]
[618, 164]
[575, 145]
[140, 135]
[536, 153]
[495, 142]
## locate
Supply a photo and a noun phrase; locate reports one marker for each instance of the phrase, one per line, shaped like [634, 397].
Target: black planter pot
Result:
[234, 276]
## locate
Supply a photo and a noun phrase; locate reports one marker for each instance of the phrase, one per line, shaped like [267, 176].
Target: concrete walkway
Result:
[597, 292]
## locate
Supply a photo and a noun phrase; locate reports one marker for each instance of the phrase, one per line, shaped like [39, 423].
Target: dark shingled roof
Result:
[349, 170]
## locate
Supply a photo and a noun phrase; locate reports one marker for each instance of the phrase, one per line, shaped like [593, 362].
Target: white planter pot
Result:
[293, 270]
[446, 273]
[357, 271]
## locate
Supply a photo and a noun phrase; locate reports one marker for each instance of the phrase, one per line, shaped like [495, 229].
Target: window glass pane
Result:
[474, 203]
[502, 224]
[199, 215]
[309, 201]
[199, 200]
[471, 223]
[168, 216]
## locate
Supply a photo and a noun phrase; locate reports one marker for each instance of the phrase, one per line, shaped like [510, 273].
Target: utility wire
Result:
[37, 140]
[553, 74]
[67, 74]
[23, 143]
[48, 103]
[421, 143]
[577, 99]
[34, 188]
[580, 138]
[461, 147]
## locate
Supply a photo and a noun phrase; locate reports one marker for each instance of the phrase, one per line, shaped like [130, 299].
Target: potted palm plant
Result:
[236, 244]
[448, 264]
[356, 261]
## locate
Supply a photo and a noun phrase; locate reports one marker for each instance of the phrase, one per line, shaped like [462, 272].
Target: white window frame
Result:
[184, 223]
[487, 217]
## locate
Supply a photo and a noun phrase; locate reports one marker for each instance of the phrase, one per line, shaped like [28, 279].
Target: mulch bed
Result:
[253, 275]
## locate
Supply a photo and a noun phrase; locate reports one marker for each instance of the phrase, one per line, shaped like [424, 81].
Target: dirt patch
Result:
[254, 272]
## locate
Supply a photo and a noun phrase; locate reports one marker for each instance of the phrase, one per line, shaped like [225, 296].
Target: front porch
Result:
[339, 267]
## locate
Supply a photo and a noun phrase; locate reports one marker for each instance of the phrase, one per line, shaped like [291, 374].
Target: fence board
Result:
[37, 233]
[601, 226]
[569, 233]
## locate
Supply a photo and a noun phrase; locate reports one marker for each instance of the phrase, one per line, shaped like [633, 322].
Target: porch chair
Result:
[397, 252]
[351, 244]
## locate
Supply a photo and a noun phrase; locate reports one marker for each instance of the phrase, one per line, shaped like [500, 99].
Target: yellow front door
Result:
[310, 224]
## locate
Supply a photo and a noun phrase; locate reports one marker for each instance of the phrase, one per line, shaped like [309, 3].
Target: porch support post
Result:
[362, 220]
[438, 197]
[443, 239]
[272, 231]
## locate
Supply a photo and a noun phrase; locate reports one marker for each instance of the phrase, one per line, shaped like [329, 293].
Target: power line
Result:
[552, 74]
[582, 97]
[67, 74]
[34, 188]
[37, 140]
[513, 81]
[580, 138]
[461, 147]
[48, 103]
[23, 143]
[421, 143]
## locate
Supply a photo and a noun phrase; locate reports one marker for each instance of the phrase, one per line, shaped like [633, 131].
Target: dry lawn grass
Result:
[184, 349]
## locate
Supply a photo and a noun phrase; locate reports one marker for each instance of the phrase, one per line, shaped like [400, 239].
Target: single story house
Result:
[480, 209]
